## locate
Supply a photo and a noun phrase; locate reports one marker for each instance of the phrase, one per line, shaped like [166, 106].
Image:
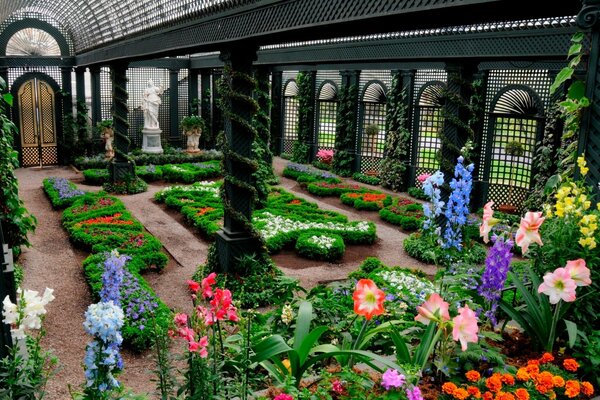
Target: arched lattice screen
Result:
[32, 42]
[327, 106]
[290, 116]
[428, 124]
[515, 123]
[373, 127]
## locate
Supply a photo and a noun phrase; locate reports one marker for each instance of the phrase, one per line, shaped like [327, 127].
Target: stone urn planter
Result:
[192, 128]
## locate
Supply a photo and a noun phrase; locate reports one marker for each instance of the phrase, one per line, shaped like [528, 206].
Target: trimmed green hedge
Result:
[320, 247]
[405, 213]
[61, 192]
[324, 189]
[417, 193]
[369, 180]
[189, 173]
[169, 157]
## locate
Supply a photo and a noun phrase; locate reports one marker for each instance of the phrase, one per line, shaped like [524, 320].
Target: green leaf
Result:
[303, 321]
[270, 347]
[575, 49]
[563, 76]
[576, 90]
[574, 62]
[8, 98]
[572, 332]
[304, 348]
[578, 37]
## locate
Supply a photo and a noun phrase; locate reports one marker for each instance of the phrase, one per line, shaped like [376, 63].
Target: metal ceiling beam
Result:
[19, 61]
[277, 21]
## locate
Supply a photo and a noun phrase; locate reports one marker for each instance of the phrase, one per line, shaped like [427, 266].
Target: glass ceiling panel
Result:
[93, 22]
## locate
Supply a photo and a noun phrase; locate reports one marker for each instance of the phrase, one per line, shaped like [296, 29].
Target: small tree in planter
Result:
[192, 127]
[514, 148]
[108, 135]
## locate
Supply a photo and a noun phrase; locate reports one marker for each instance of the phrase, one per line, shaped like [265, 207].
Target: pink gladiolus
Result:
[207, 315]
[558, 285]
[528, 231]
[180, 320]
[579, 272]
[186, 333]
[465, 327]
[207, 285]
[193, 285]
[221, 303]
[488, 222]
[368, 299]
[232, 314]
[433, 309]
[423, 177]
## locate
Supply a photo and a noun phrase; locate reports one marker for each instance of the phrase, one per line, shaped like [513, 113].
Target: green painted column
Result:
[80, 83]
[236, 238]
[276, 110]
[96, 105]
[193, 97]
[217, 115]
[351, 79]
[175, 136]
[67, 87]
[7, 288]
[205, 109]
[120, 168]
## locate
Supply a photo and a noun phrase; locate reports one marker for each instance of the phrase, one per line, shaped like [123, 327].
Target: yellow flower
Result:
[286, 364]
[582, 165]
[588, 242]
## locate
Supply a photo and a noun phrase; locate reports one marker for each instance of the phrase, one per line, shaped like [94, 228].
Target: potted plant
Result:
[107, 134]
[192, 127]
[514, 148]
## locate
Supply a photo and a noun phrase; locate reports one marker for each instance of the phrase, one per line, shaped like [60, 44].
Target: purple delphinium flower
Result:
[414, 393]
[139, 303]
[497, 265]
[112, 277]
[392, 379]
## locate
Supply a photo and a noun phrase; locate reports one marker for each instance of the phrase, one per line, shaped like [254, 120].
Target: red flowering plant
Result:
[204, 331]
[370, 201]
[544, 377]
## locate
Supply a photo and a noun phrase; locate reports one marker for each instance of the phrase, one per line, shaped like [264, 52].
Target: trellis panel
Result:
[290, 112]
[373, 89]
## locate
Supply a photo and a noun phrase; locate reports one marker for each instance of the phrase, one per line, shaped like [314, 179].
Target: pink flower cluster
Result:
[464, 325]
[187, 333]
[220, 300]
[561, 284]
[325, 156]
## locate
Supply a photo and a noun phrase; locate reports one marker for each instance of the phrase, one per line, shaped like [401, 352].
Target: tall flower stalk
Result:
[431, 187]
[457, 210]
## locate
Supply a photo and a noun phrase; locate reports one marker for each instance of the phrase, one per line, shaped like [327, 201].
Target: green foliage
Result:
[405, 213]
[55, 197]
[343, 159]
[320, 247]
[170, 156]
[192, 122]
[393, 166]
[189, 173]
[300, 152]
[514, 148]
[16, 221]
[130, 185]
[371, 264]
[417, 193]
[372, 129]
[326, 189]
[369, 180]
[95, 176]
[588, 349]
[426, 249]
[321, 165]
[76, 140]
[366, 201]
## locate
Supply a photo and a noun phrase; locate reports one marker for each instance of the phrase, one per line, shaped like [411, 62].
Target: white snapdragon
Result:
[204, 186]
[323, 242]
[27, 313]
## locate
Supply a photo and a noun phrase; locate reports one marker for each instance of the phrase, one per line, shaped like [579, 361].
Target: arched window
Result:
[327, 108]
[32, 42]
[516, 122]
[290, 116]
[428, 124]
[373, 126]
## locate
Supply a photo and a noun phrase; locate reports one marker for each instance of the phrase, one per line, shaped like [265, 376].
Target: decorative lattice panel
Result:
[427, 121]
[290, 116]
[373, 133]
[31, 156]
[49, 155]
[183, 98]
[537, 80]
[327, 105]
[106, 100]
[20, 15]
[52, 72]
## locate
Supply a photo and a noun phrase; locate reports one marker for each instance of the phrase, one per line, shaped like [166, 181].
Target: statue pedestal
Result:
[151, 141]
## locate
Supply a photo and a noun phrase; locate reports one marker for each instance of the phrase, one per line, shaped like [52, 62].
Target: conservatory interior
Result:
[299, 199]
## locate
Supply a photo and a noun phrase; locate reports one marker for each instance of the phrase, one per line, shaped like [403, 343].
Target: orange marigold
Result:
[508, 379]
[570, 364]
[545, 378]
[543, 389]
[488, 396]
[522, 394]
[532, 369]
[449, 388]
[505, 396]
[473, 376]
[461, 394]
[523, 375]
[587, 388]
[572, 388]
[558, 381]
[474, 391]
[493, 383]
[533, 362]
[546, 358]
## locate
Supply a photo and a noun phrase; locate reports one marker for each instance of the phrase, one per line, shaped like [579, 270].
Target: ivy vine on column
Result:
[300, 152]
[343, 160]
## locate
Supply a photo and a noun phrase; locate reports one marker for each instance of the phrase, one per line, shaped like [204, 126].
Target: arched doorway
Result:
[36, 116]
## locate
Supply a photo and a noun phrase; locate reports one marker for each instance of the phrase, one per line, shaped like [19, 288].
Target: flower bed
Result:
[61, 192]
[368, 179]
[304, 174]
[325, 189]
[403, 212]
[95, 176]
[191, 172]
[320, 247]
[101, 224]
[280, 223]
[369, 201]
[173, 156]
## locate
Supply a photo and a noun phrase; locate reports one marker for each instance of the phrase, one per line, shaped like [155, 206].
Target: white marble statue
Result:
[150, 104]
[108, 136]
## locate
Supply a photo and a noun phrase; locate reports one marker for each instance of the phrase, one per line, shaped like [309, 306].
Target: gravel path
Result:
[54, 262]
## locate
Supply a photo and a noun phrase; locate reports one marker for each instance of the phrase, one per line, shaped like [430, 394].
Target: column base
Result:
[233, 245]
[120, 171]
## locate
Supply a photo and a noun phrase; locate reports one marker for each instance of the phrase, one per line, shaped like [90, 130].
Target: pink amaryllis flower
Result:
[465, 327]
[423, 177]
[579, 272]
[368, 299]
[558, 285]
[488, 221]
[433, 309]
[528, 231]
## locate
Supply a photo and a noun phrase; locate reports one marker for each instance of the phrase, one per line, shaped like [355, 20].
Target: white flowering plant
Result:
[316, 246]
